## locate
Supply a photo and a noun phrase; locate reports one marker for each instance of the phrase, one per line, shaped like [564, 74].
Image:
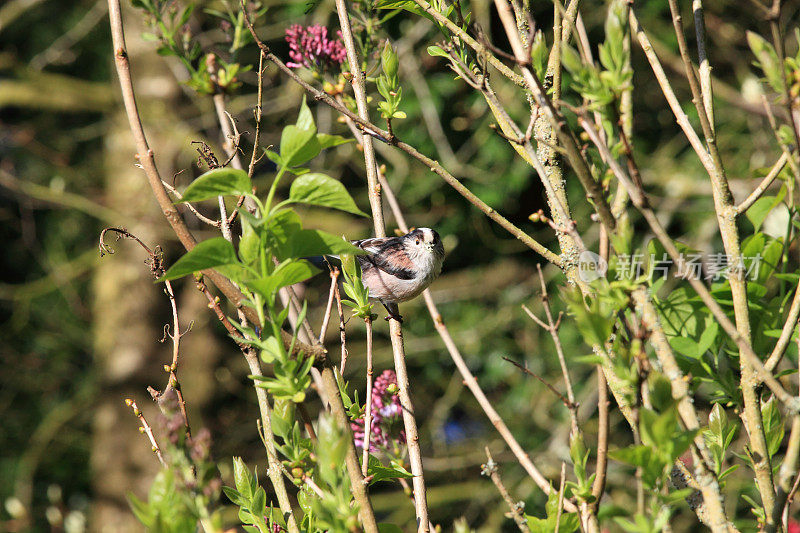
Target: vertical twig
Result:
[599, 484]
[702, 57]
[231, 148]
[561, 486]
[257, 116]
[774, 18]
[552, 328]
[357, 483]
[368, 400]
[173, 368]
[359, 90]
[342, 329]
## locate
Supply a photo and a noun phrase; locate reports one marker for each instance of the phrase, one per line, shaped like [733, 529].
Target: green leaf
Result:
[318, 189]
[234, 496]
[767, 60]
[685, 346]
[270, 349]
[249, 244]
[210, 253]
[274, 157]
[141, 510]
[291, 273]
[309, 243]
[284, 223]
[288, 273]
[438, 51]
[218, 182]
[389, 61]
[298, 145]
[259, 504]
[380, 472]
[717, 420]
[243, 479]
[761, 208]
[305, 119]
[407, 5]
[329, 141]
[568, 523]
[773, 426]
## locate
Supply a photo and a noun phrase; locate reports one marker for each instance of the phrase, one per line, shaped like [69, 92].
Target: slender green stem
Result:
[272, 189]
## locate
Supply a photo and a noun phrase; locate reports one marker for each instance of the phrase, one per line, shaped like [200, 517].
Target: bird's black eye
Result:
[416, 242]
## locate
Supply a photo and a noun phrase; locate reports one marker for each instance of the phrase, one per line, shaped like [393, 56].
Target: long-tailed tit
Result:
[397, 269]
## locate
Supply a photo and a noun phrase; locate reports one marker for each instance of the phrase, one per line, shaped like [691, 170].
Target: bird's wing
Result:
[375, 244]
[388, 255]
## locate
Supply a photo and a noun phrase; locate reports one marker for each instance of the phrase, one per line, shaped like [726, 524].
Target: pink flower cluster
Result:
[386, 416]
[310, 47]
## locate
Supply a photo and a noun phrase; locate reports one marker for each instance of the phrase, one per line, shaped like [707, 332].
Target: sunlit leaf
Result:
[218, 182]
[210, 253]
[318, 189]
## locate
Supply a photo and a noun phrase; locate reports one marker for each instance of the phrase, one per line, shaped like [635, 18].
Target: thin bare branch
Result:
[147, 430]
[326, 318]
[368, 399]
[765, 183]
[193, 209]
[490, 469]
[786, 333]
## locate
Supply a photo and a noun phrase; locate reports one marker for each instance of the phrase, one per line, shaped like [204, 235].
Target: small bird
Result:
[397, 269]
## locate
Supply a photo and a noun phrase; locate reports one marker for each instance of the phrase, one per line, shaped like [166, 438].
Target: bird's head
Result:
[424, 244]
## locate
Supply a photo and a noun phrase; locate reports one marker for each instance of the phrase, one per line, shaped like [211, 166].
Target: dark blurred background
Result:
[80, 333]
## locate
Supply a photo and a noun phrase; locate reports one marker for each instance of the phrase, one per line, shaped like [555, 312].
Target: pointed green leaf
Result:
[761, 208]
[243, 479]
[207, 254]
[305, 119]
[298, 145]
[288, 273]
[310, 242]
[249, 244]
[318, 189]
[437, 51]
[329, 141]
[291, 273]
[234, 496]
[218, 182]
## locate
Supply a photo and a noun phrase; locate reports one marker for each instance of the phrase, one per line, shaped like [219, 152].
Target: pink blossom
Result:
[310, 47]
[386, 415]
